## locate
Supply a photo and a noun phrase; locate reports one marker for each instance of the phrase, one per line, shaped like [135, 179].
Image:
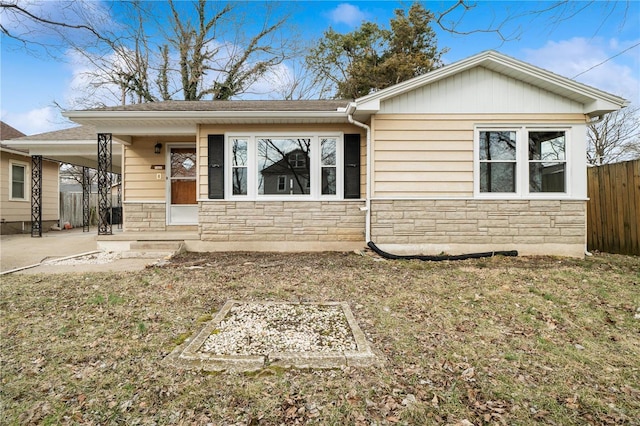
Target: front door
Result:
[183, 207]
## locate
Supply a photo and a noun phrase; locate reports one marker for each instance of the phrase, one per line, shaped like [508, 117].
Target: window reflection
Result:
[547, 165]
[284, 160]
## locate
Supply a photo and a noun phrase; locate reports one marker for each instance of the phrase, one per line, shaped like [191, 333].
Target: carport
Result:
[80, 146]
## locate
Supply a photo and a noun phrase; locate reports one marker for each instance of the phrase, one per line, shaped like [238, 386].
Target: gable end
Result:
[479, 90]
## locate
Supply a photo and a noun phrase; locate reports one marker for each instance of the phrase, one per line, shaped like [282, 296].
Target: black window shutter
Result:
[352, 165]
[216, 167]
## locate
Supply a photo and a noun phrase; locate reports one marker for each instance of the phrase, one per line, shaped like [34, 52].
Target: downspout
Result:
[367, 202]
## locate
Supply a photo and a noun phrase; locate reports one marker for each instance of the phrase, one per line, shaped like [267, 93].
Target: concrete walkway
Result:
[20, 251]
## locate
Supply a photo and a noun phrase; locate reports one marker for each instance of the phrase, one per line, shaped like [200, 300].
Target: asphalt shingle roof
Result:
[240, 106]
[8, 132]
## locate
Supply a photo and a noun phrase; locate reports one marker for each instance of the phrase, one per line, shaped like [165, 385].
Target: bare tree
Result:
[75, 174]
[615, 138]
[459, 18]
[217, 57]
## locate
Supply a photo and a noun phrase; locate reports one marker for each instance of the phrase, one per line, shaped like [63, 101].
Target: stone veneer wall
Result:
[145, 216]
[470, 222]
[299, 221]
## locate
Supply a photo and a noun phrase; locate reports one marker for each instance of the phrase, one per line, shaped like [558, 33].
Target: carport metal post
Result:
[104, 183]
[86, 197]
[36, 195]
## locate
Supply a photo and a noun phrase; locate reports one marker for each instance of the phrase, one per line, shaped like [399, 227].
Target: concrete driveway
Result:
[20, 251]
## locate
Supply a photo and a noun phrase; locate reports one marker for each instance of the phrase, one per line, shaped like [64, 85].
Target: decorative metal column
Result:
[86, 199]
[104, 183]
[36, 195]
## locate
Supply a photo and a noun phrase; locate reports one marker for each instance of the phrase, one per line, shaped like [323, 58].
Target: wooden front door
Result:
[182, 185]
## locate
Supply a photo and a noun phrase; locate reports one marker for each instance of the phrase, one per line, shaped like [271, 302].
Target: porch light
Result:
[158, 148]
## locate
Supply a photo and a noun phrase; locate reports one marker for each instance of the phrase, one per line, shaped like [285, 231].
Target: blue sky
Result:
[602, 39]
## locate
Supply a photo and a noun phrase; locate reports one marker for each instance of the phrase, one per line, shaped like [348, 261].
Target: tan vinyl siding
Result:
[431, 155]
[18, 210]
[140, 180]
[206, 130]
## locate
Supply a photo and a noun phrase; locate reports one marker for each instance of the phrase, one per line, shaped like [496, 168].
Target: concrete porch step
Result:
[153, 249]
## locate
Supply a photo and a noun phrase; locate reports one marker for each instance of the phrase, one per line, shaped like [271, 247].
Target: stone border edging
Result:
[187, 355]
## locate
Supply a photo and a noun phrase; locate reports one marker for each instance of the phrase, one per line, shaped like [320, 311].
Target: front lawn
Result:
[488, 341]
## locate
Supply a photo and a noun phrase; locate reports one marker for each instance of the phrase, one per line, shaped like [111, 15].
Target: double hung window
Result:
[521, 161]
[18, 178]
[547, 161]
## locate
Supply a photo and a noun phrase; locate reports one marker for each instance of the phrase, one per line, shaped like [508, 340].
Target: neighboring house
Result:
[285, 172]
[15, 187]
[488, 153]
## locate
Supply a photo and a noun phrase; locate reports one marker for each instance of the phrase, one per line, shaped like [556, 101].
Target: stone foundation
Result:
[464, 226]
[282, 221]
[145, 216]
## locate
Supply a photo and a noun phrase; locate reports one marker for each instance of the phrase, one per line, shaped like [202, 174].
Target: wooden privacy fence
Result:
[71, 208]
[613, 210]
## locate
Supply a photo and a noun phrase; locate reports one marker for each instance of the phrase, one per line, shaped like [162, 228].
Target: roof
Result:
[76, 145]
[595, 101]
[77, 133]
[183, 117]
[223, 106]
[8, 132]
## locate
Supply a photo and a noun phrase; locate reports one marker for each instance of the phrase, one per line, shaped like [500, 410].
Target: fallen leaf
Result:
[468, 374]
[540, 414]
[434, 401]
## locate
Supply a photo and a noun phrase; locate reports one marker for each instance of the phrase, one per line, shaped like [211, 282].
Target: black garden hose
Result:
[439, 258]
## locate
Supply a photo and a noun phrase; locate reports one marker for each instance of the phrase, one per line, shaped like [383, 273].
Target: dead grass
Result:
[498, 341]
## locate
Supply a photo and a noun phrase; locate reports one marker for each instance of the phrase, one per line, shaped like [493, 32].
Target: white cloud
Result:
[569, 58]
[36, 121]
[348, 14]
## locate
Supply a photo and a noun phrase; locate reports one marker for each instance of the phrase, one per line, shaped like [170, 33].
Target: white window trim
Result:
[522, 162]
[314, 168]
[27, 188]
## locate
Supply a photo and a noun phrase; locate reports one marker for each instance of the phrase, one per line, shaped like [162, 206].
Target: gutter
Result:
[367, 202]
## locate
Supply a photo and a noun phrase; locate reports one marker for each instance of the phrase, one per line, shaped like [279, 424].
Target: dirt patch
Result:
[487, 341]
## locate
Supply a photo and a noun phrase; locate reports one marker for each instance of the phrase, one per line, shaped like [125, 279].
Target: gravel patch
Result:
[249, 336]
[89, 259]
[259, 329]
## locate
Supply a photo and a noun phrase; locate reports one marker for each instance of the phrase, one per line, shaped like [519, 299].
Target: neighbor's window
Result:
[288, 157]
[547, 161]
[498, 161]
[18, 181]
[282, 183]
